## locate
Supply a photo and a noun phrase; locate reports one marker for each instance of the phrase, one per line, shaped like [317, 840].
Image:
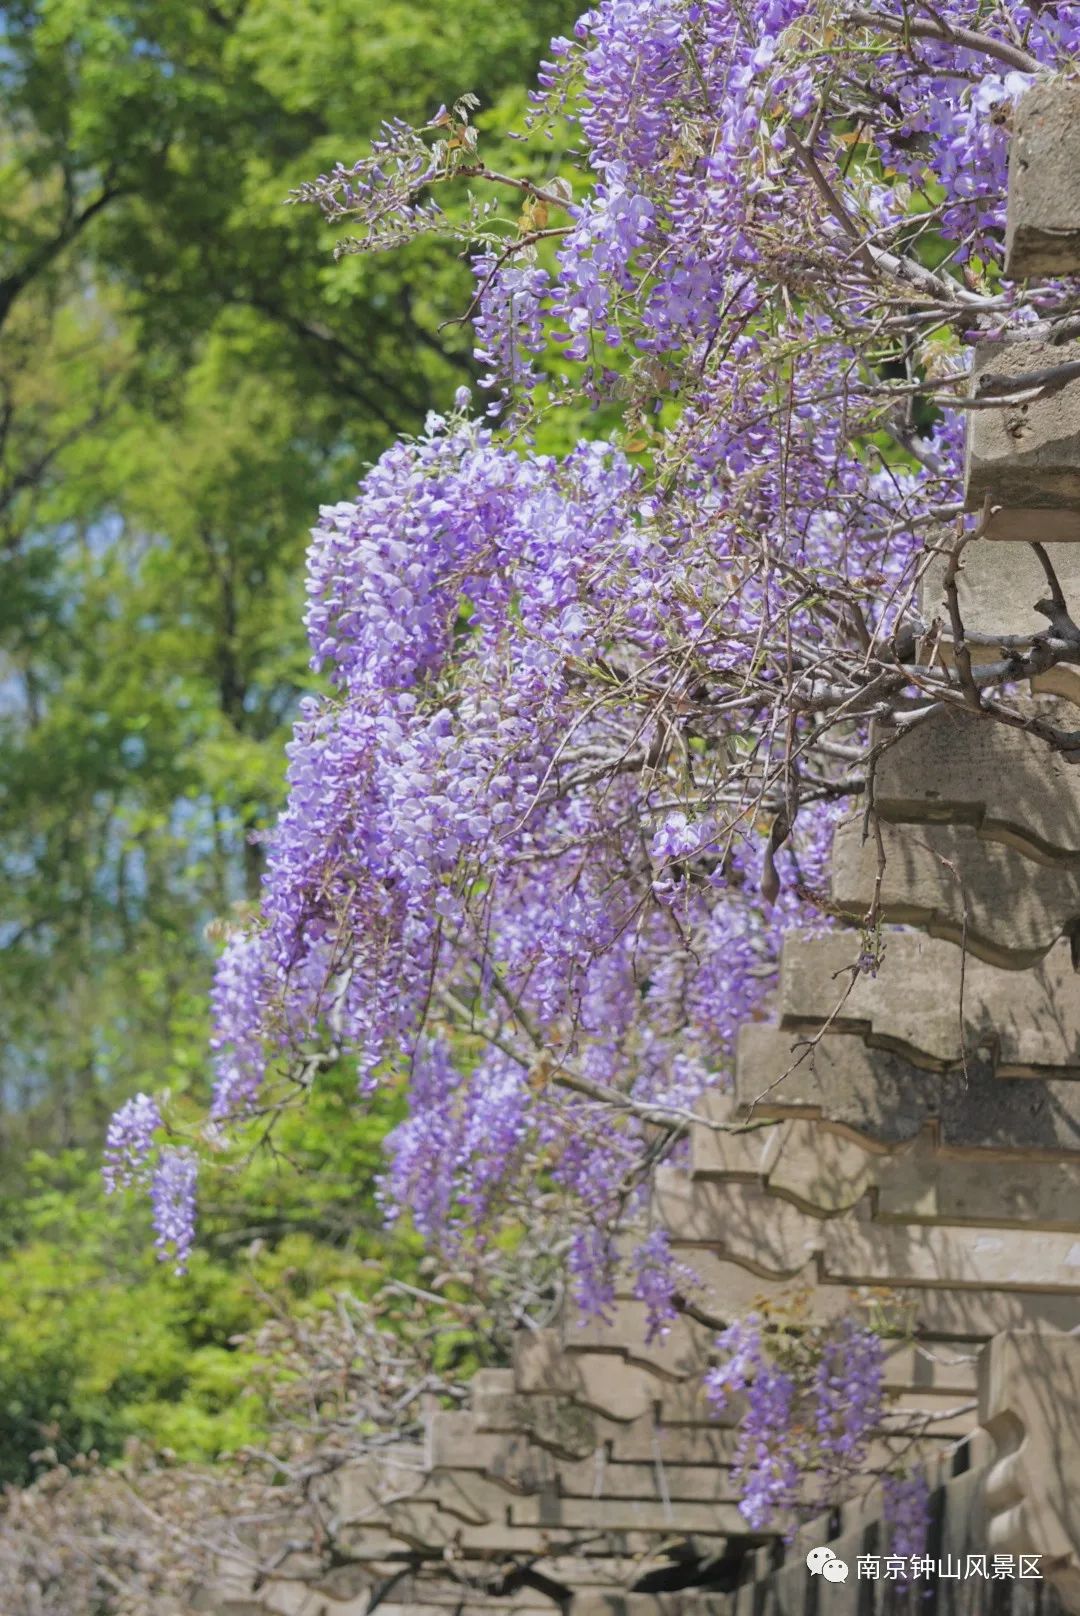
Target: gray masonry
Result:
[1024, 456]
[1042, 235]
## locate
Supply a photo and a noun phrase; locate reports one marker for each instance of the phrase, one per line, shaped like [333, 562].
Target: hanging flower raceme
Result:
[813, 1399]
[134, 1156]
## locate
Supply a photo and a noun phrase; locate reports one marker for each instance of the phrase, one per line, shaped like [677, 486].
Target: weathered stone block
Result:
[555, 1423]
[944, 879]
[622, 1515]
[1029, 1400]
[907, 1367]
[937, 1312]
[649, 1442]
[584, 1384]
[880, 1095]
[1029, 1021]
[454, 1442]
[997, 589]
[988, 1258]
[1042, 230]
[1025, 457]
[746, 1224]
[609, 1386]
[842, 1080]
[699, 1484]
[921, 1185]
[957, 768]
[490, 1383]
[682, 1352]
[423, 1526]
[826, 1171]
[818, 1168]
[585, 1570]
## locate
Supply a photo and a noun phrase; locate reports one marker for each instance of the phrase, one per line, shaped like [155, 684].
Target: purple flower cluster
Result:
[458, 1148]
[592, 1265]
[692, 111]
[812, 1400]
[239, 1001]
[508, 325]
[172, 1198]
[130, 1142]
[595, 262]
[770, 1457]
[133, 1156]
[580, 758]
[907, 1513]
[658, 1279]
[848, 1390]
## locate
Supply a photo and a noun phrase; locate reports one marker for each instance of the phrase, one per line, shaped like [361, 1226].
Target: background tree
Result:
[180, 375]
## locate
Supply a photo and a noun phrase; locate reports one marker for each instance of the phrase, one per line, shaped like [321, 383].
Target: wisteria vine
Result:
[592, 717]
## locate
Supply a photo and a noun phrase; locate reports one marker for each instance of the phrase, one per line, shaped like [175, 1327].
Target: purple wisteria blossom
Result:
[848, 1397]
[770, 1461]
[172, 1197]
[130, 1142]
[509, 325]
[591, 723]
[906, 1512]
[813, 1397]
[658, 1278]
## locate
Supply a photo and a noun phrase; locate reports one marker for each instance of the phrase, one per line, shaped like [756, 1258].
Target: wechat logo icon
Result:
[823, 1563]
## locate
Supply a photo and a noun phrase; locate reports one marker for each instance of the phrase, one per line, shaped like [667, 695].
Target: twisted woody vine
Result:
[591, 710]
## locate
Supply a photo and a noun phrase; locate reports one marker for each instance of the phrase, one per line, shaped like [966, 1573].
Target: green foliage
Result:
[100, 1344]
[185, 374]
[188, 375]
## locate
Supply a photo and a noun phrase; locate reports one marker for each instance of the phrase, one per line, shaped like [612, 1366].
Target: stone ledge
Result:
[878, 1095]
[1025, 457]
[1042, 229]
[958, 768]
[1028, 1021]
[944, 879]
[996, 592]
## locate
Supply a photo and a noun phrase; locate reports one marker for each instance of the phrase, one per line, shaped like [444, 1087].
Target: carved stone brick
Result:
[1029, 1020]
[997, 589]
[827, 1171]
[746, 1224]
[906, 1368]
[957, 768]
[1029, 1400]
[943, 878]
[455, 1442]
[880, 1095]
[1042, 231]
[1025, 457]
[732, 1290]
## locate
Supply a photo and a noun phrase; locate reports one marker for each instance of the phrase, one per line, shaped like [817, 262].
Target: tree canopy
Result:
[182, 373]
